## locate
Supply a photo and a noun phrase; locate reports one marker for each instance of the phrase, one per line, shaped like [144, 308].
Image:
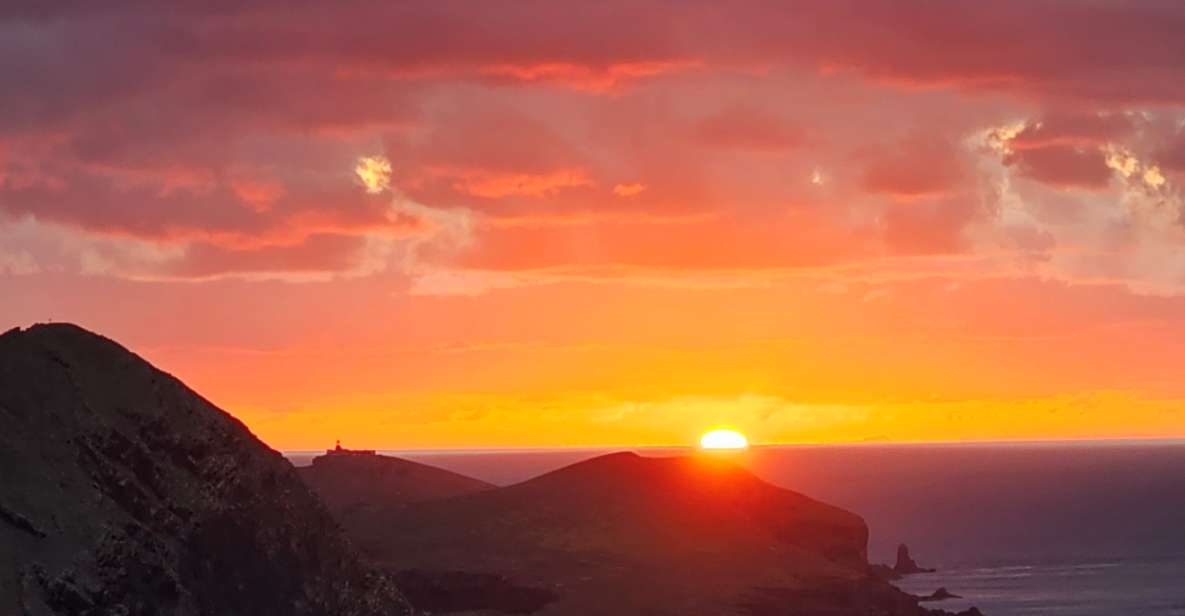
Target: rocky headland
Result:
[124, 492]
[686, 535]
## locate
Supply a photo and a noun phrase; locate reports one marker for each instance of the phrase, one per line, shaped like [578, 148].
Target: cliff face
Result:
[348, 482]
[124, 492]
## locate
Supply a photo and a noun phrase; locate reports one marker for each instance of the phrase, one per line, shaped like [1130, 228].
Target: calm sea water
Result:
[1152, 587]
[1085, 529]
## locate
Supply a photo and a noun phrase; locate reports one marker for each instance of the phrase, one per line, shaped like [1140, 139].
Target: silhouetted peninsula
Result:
[629, 534]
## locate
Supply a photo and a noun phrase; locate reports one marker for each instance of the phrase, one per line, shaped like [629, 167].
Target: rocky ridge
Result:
[124, 492]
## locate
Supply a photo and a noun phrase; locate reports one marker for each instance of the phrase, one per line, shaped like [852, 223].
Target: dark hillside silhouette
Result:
[629, 534]
[347, 481]
[124, 492]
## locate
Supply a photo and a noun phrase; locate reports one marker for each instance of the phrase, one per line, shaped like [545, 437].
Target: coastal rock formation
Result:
[124, 492]
[627, 534]
[940, 595]
[830, 598]
[347, 481]
[905, 564]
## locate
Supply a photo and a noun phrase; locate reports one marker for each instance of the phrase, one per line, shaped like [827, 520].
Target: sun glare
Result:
[723, 439]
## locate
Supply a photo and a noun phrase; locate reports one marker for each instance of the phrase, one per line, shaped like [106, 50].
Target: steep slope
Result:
[346, 482]
[635, 535]
[124, 492]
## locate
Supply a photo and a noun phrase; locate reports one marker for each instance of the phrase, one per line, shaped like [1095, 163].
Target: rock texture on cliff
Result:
[124, 492]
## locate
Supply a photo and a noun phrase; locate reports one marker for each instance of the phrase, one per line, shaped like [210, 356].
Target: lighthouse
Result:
[338, 450]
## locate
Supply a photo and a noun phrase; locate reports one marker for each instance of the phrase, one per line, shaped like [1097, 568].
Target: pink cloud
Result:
[1172, 154]
[1075, 129]
[480, 183]
[751, 129]
[229, 127]
[587, 78]
[1063, 165]
[915, 168]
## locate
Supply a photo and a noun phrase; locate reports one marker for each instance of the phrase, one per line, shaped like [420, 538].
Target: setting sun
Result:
[723, 439]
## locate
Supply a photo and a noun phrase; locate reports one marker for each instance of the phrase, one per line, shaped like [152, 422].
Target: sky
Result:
[445, 224]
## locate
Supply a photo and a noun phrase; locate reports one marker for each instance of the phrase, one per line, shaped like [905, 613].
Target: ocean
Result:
[1114, 587]
[1084, 528]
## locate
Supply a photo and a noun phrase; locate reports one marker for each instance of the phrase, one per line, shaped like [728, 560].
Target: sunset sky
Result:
[452, 224]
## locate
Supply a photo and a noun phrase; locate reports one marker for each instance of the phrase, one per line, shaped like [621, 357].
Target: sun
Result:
[723, 439]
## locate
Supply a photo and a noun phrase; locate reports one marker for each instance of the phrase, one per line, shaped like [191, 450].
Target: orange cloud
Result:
[748, 128]
[628, 190]
[588, 78]
[494, 185]
[916, 168]
[259, 194]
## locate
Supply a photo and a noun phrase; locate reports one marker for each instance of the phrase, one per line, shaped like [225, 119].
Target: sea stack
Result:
[905, 564]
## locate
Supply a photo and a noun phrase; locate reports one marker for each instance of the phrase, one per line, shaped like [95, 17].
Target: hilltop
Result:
[348, 481]
[124, 492]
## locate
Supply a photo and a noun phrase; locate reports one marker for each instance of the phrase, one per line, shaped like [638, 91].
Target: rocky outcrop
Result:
[905, 564]
[831, 598]
[124, 492]
[941, 594]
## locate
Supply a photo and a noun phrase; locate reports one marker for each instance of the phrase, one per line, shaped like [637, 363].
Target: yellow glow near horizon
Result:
[723, 439]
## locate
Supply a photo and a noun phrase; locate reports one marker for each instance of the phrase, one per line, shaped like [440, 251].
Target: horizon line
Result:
[1069, 442]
